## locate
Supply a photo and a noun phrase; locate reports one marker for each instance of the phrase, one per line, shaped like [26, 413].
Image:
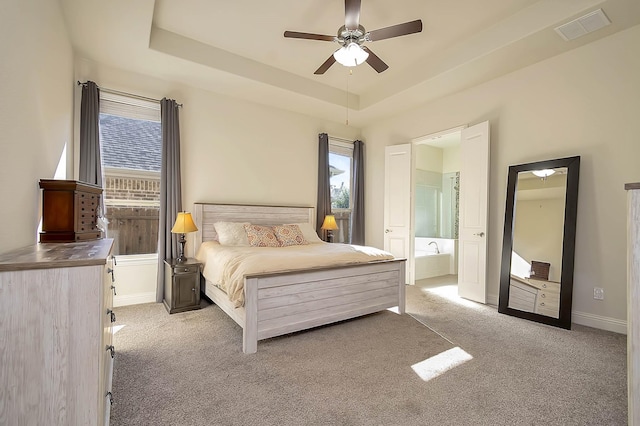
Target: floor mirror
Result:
[536, 275]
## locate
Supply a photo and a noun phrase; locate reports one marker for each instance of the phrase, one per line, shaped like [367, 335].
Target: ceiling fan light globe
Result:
[543, 173]
[351, 55]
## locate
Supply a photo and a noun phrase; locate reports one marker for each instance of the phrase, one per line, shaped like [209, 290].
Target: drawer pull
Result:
[543, 295]
[544, 285]
[114, 290]
[113, 315]
[110, 271]
[113, 350]
[542, 304]
[110, 396]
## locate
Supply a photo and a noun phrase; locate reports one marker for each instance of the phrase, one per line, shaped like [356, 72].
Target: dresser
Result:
[633, 302]
[56, 349]
[532, 295]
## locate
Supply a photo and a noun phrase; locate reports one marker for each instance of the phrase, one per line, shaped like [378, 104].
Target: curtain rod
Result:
[131, 95]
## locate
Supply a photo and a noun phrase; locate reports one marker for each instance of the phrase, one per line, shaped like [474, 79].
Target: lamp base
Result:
[329, 236]
[181, 256]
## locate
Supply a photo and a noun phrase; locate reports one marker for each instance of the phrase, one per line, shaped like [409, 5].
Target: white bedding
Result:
[226, 266]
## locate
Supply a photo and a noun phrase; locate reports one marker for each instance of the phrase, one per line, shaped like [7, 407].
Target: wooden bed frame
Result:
[285, 302]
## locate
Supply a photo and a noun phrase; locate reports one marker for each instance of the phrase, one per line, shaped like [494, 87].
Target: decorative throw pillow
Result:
[308, 232]
[289, 235]
[261, 236]
[231, 233]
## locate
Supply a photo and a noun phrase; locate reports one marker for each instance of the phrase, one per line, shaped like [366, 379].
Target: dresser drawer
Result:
[86, 211]
[186, 269]
[548, 311]
[547, 286]
[549, 299]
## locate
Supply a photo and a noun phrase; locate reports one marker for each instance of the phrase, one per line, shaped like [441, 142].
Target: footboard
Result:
[277, 304]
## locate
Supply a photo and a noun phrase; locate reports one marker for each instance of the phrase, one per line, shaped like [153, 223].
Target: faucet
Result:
[436, 244]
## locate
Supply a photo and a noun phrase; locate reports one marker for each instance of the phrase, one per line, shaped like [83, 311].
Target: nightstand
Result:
[181, 285]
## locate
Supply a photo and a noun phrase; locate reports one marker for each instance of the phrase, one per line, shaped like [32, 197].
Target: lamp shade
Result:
[351, 55]
[184, 224]
[329, 223]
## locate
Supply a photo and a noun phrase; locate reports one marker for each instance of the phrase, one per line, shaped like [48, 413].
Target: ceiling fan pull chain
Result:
[348, 75]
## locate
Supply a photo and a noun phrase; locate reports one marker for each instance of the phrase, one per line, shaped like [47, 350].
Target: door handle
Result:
[479, 234]
[386, 231]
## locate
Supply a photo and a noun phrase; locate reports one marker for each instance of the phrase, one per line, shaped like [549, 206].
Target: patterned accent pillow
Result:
[308, 232]
[289, 235]
[261, 236]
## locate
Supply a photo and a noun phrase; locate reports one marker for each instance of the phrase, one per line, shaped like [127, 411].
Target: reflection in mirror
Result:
[536, 257]
[537, 261]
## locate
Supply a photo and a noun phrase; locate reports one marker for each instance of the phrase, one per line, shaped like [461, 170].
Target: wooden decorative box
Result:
[69, 211]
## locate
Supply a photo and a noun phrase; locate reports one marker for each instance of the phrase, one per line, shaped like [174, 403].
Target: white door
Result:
[397, 205]
[474, 180]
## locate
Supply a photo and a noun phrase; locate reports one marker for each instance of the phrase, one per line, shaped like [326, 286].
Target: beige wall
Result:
[440, 160]
[36, 83]
[428, 158]
[585, 102]
[451, 159]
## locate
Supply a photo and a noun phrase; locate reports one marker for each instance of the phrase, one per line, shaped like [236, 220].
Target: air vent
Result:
[584, 25]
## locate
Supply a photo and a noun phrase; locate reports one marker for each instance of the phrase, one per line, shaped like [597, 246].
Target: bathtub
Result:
[431, 264]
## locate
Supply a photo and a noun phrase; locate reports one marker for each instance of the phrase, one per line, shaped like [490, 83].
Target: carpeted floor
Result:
[188, 369]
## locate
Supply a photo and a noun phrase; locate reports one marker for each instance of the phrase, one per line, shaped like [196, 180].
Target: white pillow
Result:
[232, 233]
[308, 232]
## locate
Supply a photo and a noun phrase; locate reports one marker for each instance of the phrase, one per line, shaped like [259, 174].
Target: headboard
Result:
[206, 214]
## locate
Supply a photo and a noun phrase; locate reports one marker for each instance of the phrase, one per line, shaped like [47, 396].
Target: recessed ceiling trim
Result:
[191, 50]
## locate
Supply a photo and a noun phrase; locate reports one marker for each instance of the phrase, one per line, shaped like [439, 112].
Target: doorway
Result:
[436, 189]
[399, 204]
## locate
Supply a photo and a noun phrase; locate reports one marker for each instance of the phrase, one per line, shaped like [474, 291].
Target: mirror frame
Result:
[568, 242]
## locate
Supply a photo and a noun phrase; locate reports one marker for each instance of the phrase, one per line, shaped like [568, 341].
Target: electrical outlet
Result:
[598, 293]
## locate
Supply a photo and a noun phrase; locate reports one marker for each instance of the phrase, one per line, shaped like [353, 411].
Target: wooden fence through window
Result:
[134, 229]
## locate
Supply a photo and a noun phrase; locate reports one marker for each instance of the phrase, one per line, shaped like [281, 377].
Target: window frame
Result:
[344, 148]
[134, 108]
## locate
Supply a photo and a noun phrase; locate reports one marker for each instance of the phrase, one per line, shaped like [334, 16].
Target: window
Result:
[340, 173]
[131, 144]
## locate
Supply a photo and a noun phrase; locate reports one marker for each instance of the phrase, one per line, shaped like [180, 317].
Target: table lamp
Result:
[184, 224]
[329, 225]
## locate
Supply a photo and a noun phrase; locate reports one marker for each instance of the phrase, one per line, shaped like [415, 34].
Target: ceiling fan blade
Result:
[396, 30]
[352, 14]
[308, 36]
[324, 67]
[375, 62]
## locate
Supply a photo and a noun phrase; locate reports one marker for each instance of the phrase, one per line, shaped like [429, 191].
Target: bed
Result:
[286, 301]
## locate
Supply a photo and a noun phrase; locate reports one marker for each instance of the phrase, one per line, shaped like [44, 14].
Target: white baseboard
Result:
[583, 318]
[597, 321]
[134, 299]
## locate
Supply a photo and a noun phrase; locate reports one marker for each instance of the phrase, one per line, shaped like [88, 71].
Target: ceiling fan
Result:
[352, 35]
